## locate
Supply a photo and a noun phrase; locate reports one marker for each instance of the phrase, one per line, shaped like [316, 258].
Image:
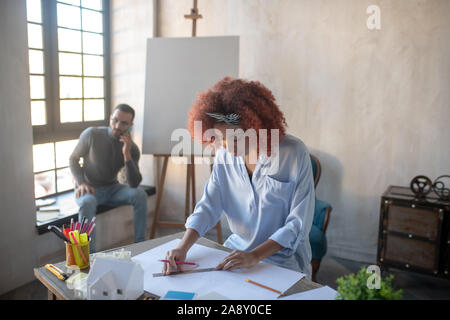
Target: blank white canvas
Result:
[177, 70]
[230, 284]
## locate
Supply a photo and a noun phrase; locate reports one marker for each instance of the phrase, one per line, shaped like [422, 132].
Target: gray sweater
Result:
[102, 159]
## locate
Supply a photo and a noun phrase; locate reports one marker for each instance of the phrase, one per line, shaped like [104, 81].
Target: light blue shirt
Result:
[277, 203]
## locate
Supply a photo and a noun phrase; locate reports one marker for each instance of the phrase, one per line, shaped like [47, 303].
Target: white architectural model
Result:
[111, 279]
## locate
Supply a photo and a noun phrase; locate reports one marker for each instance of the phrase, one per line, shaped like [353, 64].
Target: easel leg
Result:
[218, 226]
[194, 201]
[158, 199]
[190, 184]
[187, 209]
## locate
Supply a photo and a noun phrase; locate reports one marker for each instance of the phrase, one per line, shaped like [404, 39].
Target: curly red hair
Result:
[251, 100]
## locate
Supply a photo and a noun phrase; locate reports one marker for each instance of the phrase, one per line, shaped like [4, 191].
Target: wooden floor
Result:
[415, 286]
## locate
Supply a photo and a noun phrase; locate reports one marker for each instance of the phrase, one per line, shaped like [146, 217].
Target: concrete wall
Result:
[373, 105]
[17, 226]
[131, 24]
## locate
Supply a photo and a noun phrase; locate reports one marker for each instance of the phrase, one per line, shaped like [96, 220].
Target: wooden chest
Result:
[414, 233]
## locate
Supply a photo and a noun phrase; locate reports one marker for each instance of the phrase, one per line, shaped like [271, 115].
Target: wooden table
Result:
[57, 289]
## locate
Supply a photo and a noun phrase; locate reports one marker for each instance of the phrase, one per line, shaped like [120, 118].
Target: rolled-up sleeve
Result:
[208, 210]
[134, 177]
[299, 220]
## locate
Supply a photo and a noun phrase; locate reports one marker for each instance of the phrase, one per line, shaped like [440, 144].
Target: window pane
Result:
[92, 21]
[64, 180]
[69, 16]
[70, 64]
[92, 4]
[63, 151]
[38, 117]
[93, 65]
[36, 58]
[94, 110]
[70, 111]
[34, 36]
[69, 40]
[92, 43]
[43, 157]
[37, 88]
[70, 87]
[93, 87]
[74, 2]
[44, 184]
[34, 11]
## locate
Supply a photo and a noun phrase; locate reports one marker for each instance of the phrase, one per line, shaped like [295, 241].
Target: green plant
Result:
[355, 287]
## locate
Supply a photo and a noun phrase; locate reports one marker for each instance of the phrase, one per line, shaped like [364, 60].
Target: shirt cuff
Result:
[194, 222]
[286, 238]
[79, 180]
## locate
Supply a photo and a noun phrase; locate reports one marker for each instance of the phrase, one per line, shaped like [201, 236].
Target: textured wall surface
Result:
[17, 226]
[131, 24]
[373, 105]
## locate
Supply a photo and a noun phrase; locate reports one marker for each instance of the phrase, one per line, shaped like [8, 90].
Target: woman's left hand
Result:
[238, 259]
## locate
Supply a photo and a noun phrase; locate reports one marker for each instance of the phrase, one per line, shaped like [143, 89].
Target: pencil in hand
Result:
[181, 262]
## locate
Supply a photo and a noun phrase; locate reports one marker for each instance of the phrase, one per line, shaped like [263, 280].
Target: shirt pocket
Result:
[277, 195]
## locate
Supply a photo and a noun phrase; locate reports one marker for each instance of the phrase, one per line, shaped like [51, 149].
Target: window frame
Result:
[54, 172]
[55, 131]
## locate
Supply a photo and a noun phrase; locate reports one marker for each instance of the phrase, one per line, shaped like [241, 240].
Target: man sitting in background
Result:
[105, 150]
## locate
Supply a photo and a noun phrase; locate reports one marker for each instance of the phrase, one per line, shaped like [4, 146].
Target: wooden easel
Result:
[190, 174]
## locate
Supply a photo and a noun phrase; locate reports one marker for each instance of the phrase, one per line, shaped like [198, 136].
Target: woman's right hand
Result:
[174, 255]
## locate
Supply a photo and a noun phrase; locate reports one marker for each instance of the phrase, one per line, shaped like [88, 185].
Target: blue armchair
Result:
[322, 212]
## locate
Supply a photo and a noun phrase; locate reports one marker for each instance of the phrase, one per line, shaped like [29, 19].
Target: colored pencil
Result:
[90, 224]
[91, 229]
[262, 286]
[83, 224]
[181, 262]
[75, 242]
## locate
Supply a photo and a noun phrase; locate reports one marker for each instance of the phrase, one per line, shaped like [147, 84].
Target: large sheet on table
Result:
[230, 284]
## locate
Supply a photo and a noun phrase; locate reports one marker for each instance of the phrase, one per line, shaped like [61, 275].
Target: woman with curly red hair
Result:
[261, 179]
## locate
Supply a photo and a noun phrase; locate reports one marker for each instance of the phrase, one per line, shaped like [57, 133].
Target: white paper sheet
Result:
[46, 216]
[230, 284]
[323, 293]
[212, 296]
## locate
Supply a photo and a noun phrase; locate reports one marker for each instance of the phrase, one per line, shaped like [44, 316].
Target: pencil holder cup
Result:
[77, 256]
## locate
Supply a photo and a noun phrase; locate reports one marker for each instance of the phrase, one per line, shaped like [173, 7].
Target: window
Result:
[69, 82]
[51, 167]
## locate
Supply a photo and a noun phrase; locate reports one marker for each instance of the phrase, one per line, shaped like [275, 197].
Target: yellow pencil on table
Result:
[262, 286]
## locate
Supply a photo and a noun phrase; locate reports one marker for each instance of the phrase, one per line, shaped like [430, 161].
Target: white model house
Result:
[111, 279]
